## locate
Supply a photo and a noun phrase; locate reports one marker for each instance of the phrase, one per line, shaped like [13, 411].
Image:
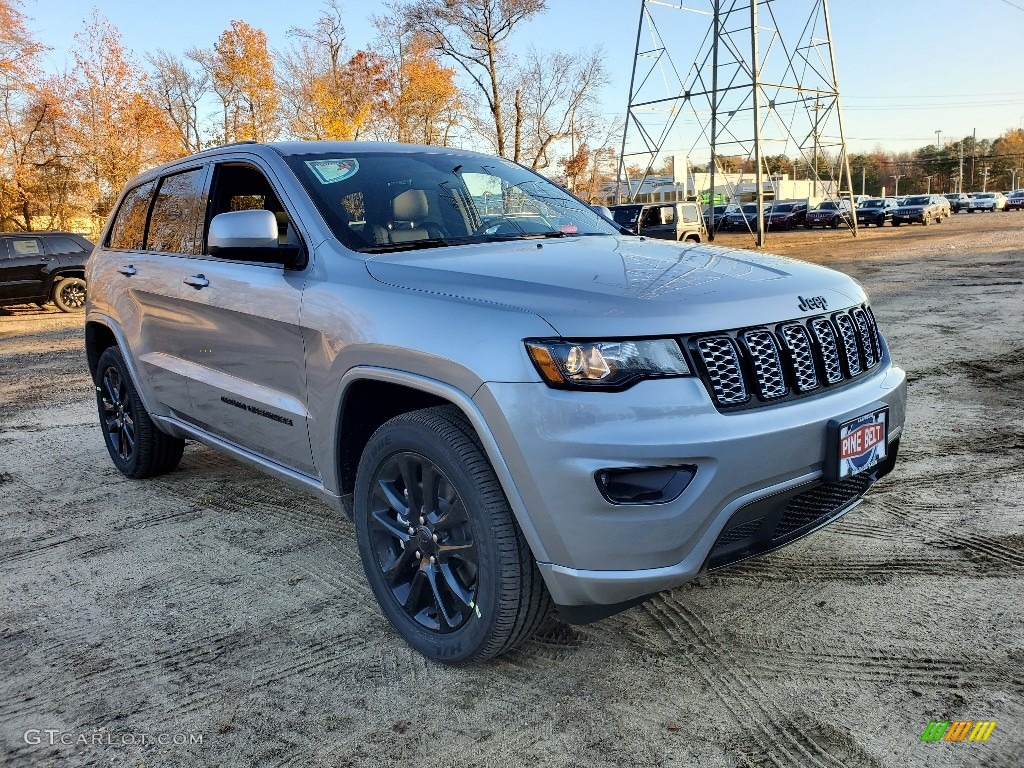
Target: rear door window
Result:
[61, 245]
[129, 228]
[174, 225]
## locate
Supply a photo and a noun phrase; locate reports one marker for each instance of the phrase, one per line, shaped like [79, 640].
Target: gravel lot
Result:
[217, 604]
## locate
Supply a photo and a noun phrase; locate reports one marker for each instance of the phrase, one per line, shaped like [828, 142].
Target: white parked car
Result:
[988, 201]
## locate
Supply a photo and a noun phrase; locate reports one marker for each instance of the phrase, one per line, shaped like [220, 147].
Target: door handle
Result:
[196, 281]
[127, 270]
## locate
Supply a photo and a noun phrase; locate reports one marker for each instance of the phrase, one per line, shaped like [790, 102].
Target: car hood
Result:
[621, 286]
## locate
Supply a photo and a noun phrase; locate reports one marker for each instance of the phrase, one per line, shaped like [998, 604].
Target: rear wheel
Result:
[137, 448]
[69, 294]
[441, 550]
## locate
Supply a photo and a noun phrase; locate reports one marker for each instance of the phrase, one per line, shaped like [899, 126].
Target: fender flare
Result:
[469, 409]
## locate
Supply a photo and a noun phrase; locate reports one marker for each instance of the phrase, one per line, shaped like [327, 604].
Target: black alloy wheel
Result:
[118, 419]
[137, 448]
[441, 549]
[69, 294]
[423, 543]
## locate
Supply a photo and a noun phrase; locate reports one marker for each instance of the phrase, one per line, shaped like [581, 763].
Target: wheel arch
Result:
[371, 396]
[101, 333]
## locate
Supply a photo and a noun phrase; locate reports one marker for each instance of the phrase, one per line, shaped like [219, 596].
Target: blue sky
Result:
[906, 68]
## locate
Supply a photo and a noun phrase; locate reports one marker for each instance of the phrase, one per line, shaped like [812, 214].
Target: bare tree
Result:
[471, 32]
[557, 100]
[178, 90]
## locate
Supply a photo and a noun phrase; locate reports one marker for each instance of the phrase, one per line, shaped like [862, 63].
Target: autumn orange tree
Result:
[329, 95]
[241, 71]
[421, 102]
[117, 131]
[22, 124]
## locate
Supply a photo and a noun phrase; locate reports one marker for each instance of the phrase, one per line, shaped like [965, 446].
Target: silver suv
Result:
[522, 409]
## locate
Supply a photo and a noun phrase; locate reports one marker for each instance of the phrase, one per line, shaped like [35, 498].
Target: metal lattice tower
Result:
[762, 84]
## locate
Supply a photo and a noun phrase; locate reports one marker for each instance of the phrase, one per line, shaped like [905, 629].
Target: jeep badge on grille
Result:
[815, 302]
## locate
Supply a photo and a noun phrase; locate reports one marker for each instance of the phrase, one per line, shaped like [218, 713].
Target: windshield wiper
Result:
[411, 245]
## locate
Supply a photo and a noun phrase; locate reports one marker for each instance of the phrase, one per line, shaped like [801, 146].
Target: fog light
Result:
[644, 485]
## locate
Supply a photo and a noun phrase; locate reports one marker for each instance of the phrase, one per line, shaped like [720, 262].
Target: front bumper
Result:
[599, 553]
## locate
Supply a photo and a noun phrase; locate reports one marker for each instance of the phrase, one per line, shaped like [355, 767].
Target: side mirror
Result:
[251, 236]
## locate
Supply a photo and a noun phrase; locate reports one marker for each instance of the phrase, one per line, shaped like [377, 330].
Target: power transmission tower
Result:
[763, 83]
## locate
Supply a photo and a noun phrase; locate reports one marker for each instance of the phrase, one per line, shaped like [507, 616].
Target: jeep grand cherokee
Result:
[522, 409]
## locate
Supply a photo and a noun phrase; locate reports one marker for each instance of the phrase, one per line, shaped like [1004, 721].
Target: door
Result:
[144, 286]
[247, 362]
[23, 259]
[659, 221]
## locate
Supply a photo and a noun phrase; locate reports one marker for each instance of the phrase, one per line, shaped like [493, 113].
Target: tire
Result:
[925, 220]
[808, 226]
[69, 294]
[137, 448]
[896, 223]
[880, 220]
[467, 604]
[835, 223]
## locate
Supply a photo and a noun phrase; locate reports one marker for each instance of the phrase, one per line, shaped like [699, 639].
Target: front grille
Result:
[756, 366]
[819, 503]
[772, 522]
[738, 532]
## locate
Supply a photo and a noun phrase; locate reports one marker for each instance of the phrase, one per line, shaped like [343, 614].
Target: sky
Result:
[906, 68]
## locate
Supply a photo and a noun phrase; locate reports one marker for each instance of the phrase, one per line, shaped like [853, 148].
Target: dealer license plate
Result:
[862, 442]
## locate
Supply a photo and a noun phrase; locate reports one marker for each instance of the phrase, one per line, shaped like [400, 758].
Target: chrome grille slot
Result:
[874, 333]
[798, 344]
[766, 364]
[722, 360]
[867, 342]
[849, 336]
[826, 338]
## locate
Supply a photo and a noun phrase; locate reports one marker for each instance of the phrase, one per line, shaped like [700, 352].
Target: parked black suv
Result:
[37, 267]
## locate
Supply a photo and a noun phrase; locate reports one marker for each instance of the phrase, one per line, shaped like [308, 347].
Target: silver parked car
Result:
[522, 409]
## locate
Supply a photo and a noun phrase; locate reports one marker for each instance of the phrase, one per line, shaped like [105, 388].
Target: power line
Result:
[1013, 5]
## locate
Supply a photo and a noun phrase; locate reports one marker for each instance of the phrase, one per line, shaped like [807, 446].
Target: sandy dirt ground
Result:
[220, 607]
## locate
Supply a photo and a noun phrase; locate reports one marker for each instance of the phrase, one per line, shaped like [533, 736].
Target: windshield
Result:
[872, 204]
[386, 201]
[985, 195]
[784, 208]
[916, 201]
[827, 207]
[750, 208]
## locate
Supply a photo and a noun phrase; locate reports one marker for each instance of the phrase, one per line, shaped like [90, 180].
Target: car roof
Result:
[49, 232]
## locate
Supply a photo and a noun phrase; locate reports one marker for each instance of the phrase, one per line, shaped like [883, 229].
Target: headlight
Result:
[606, 364]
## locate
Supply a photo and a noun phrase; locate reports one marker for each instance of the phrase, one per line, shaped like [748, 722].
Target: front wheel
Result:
[896, 223]
[69, 294]
[441, 550]
[137, 448]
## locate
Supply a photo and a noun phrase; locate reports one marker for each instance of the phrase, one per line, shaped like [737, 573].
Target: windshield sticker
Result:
[333, 171]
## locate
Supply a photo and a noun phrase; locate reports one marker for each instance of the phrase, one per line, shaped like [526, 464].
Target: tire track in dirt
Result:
[772, 733]
[909, 667]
